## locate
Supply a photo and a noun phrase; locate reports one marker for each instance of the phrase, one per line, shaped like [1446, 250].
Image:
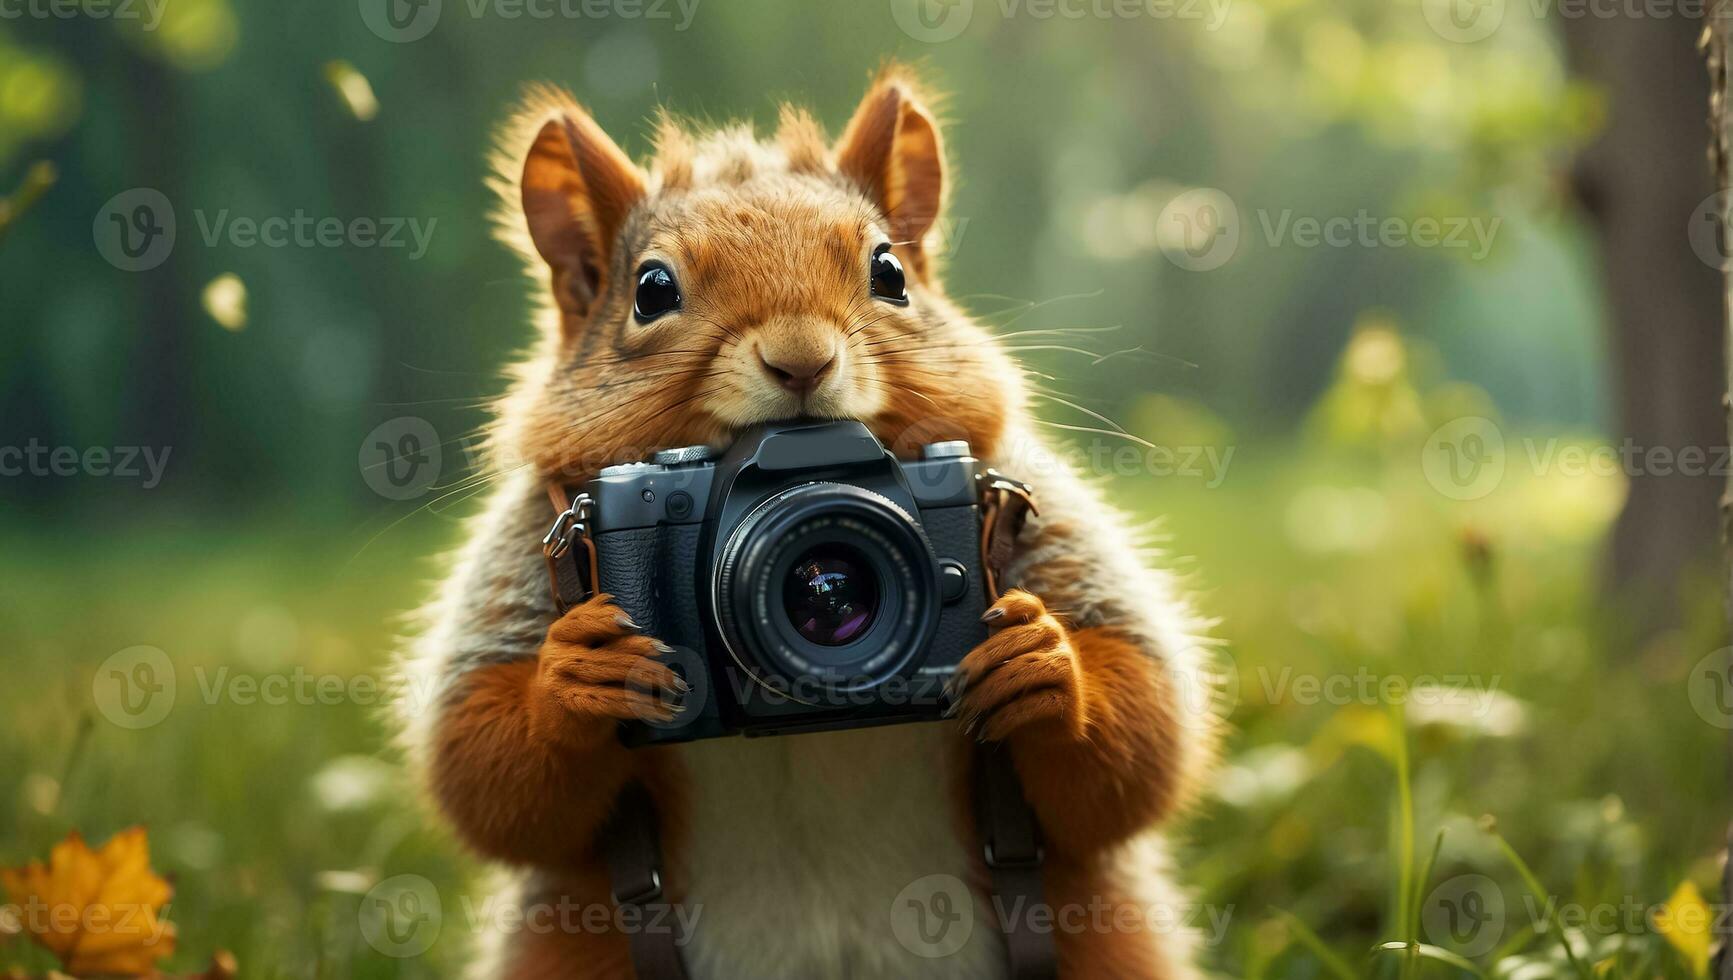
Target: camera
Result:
[806, 578]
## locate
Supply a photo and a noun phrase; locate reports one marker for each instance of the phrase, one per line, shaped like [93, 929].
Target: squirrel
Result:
[773, 301]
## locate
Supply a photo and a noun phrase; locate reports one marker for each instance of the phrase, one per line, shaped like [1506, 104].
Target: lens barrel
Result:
[826, 584]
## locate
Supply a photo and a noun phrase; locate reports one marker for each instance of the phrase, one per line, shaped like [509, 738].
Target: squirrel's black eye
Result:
[887, 276]
[657, 294]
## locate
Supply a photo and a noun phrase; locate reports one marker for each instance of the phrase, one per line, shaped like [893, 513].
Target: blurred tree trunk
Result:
[1642, 183]
[1716, 41]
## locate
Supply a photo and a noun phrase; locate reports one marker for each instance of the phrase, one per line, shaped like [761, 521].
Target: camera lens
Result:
[831, 595]
[828, 585]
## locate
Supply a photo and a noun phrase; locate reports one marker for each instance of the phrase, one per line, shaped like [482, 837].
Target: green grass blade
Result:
[1405, 915]
[1424, 951]
[1420, 886]
[1540, 895]
[1337, 966]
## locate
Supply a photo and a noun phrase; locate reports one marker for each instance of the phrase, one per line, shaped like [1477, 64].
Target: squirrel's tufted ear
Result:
[577, 189]
[891, 149]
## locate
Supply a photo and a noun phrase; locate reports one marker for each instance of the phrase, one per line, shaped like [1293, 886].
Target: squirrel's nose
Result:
[795, 373]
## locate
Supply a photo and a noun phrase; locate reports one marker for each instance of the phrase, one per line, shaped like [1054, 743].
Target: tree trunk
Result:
[1716, 39]
[1643, 182]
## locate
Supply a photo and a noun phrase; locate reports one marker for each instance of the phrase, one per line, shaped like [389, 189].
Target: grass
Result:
[1573, 738]
[1338, 574]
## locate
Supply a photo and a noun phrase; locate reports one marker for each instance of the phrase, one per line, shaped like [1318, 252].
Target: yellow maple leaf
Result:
[98, 911]
[1685, 922]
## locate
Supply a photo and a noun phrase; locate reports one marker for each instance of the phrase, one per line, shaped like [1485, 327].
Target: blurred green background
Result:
[1318, 375]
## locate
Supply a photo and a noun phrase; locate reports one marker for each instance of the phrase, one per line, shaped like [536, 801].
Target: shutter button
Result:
[953, 580]
[679, 505]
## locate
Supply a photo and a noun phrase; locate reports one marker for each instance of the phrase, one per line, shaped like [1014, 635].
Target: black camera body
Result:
[807, 579]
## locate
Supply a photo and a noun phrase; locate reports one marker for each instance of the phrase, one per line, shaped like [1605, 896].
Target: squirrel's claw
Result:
[1026, 673]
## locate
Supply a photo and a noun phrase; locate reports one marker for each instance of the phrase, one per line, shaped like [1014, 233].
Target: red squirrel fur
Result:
[794, 848]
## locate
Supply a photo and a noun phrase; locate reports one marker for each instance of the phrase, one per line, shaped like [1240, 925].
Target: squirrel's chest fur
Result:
[803, 848]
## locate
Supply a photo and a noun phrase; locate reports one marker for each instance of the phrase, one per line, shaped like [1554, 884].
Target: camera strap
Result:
[1010, 834]
[569, 550]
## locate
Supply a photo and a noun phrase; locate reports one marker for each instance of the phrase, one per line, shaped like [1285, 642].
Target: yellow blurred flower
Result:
[1373, 398]
[1685, 921]
[225, 299]
[97, 911]
[353, 88]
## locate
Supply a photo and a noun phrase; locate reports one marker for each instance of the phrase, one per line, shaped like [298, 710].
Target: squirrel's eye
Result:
[887, 276]
[657, 294]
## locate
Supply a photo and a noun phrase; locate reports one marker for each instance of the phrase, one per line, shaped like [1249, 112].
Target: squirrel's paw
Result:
[596, 665]
[1025, 674]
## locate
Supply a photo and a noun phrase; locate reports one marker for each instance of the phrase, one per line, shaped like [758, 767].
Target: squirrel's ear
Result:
[577, 189]
[891, 149]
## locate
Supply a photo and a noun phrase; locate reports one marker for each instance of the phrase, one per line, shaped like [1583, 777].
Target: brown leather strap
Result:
[631, 845]
[1005, 505]
[569, 551]
[1010, 833]
[1012, 849]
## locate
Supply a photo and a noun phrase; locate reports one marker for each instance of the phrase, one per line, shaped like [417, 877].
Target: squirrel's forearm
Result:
[520, 786]
[1127, 770]
[1148, 731]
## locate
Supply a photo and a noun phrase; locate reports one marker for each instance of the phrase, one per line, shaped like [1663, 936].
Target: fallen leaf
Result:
[98, 911]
